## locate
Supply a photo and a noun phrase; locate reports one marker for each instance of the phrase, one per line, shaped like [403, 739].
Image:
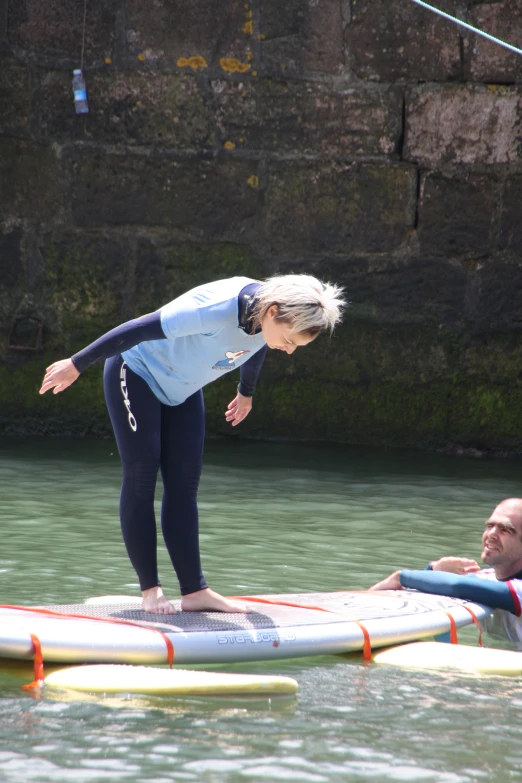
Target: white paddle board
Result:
[117, 630]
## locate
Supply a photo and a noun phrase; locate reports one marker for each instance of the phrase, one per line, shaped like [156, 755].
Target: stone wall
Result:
[368, 142]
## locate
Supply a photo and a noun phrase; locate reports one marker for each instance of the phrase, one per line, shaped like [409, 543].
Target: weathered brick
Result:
[338, 208]
[11, 268]
[53, 29]
[30, 180]
[202, 197]
[15, 104]
[393, 39]
[426, 288]
[4, 11]
[510, 220]
[130, 107]
[183, 30]
[456, 213]
[419, 289]
[88, 279]
[448, 124]
[498, 294]
[299, 36]
[486, 61]
[308, 118]
[166, 269]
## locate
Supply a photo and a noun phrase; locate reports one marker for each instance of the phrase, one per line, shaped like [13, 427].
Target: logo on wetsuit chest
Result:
[229, 362]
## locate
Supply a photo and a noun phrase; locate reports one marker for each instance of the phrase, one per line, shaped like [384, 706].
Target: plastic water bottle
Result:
[80, 93]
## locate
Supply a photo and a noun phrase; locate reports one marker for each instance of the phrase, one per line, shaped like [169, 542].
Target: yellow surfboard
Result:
[439, 655]
[121, 678]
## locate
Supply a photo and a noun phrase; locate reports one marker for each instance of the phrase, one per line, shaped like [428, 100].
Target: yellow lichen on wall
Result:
[192, 62]
[249, 28]
[232, 65]
[229, 145]
[253, 181]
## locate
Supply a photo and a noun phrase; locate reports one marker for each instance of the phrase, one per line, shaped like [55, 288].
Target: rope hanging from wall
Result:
[468, 26]
[83, 32]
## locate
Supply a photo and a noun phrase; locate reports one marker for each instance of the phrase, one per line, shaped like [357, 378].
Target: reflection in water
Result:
[274, 518]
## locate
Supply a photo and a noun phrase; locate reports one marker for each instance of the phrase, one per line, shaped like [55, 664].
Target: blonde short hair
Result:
[307, 304]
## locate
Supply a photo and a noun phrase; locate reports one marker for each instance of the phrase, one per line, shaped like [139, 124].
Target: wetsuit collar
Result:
[518, 575]
[245, 303]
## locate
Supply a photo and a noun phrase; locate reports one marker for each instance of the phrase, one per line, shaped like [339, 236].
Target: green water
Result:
[274, 518]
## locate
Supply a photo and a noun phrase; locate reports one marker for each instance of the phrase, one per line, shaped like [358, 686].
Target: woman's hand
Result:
[455, 565]
[238, 409]
[59, 376]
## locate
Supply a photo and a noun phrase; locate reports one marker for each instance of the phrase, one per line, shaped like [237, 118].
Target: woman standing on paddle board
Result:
[155, 369]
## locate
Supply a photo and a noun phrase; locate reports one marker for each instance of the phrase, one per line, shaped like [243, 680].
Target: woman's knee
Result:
[140, 477]
[181, 477]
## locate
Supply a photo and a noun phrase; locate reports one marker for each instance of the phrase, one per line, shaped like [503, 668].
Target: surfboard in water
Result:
[120, 678]
[463, 657]
[116, 630]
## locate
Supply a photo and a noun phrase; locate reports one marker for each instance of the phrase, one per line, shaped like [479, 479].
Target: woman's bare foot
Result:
[154, 601]
[208, 601]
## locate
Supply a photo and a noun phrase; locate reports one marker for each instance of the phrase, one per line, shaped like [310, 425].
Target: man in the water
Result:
[499, 586]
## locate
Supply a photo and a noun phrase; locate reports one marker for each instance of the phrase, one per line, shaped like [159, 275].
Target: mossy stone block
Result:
[420, 289]
[485, 415]
[15, 104]
[493, 358]
[484, 60]
[336, 208]
[283, 116]
[205, 198]
[174, 33]
[456, 213]
[298, 37]
[498, 295]
[510, 223]
[52, 30]
[12, 272]
[128, 107]
[388, 40]
[31, 182]
[432, 415]
[80, 409]
[86, 281]
[165, 270]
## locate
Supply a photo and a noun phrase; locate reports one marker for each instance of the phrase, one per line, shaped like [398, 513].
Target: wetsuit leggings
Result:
[154, 437]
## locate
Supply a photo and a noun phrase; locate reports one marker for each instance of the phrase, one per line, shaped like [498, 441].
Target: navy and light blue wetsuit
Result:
[156, 368]
[504, 596]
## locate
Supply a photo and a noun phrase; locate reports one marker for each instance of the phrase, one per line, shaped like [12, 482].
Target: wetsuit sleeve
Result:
[249, 372]
[497, 595]
[120, 339]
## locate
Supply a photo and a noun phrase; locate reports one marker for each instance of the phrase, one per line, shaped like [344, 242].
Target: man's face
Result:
[502, 541]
